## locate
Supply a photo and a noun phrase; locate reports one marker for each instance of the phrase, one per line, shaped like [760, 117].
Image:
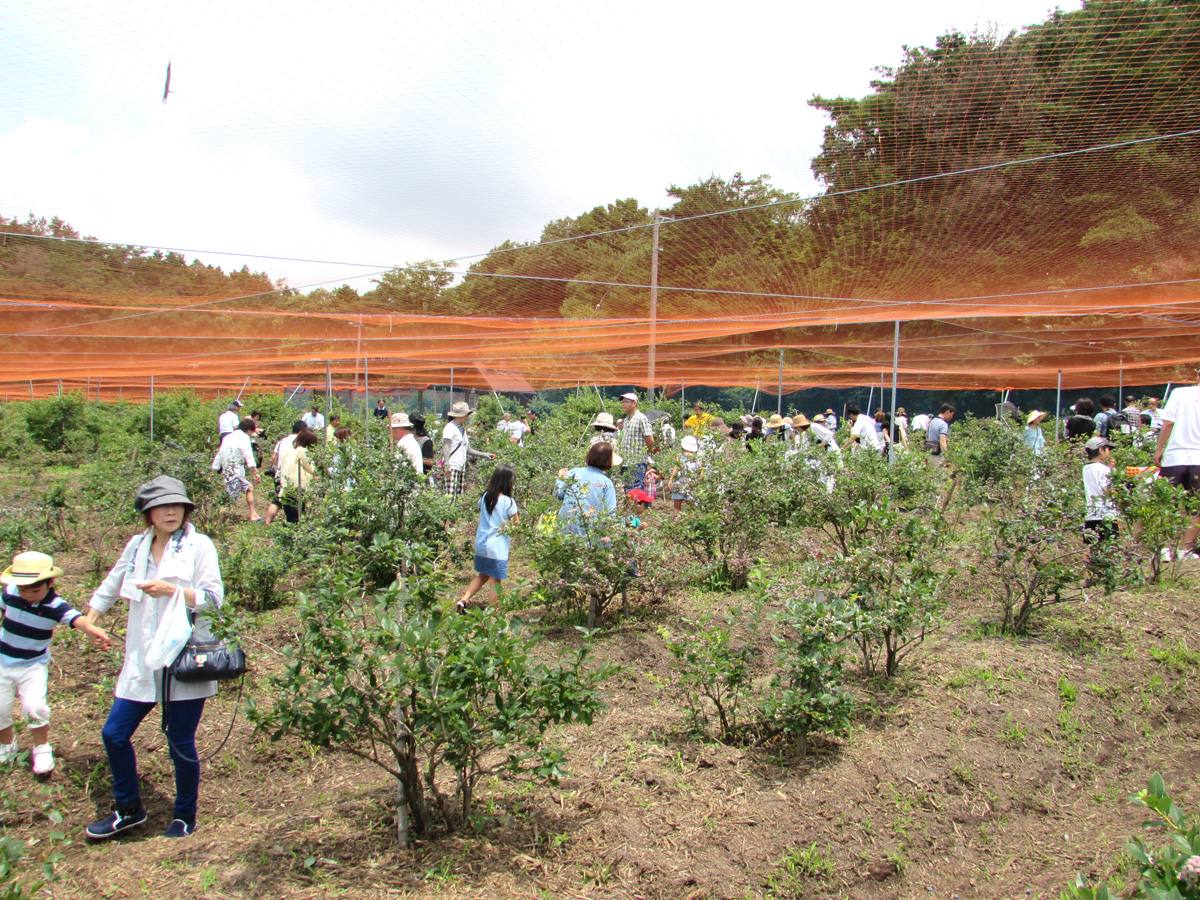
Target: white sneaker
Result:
[1166, 555]
[8, 752]
[43, 759]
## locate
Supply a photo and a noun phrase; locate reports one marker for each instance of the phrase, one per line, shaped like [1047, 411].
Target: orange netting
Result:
[1021, 205]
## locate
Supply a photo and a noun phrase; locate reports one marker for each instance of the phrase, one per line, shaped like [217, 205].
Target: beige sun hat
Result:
[801, 421]
[1035, 416]
[604, 420]
[776, 421]
[400, 420]
[29, 568]
[459, 410]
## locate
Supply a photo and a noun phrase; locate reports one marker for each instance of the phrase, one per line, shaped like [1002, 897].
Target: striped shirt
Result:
[27, 628]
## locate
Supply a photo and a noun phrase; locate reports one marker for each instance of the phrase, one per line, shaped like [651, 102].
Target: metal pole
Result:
[1058, 407]
[366, 396]
[870, 397]
[1164, 399]
[895, 380]
[328, 393]
[60, 387]
[31, 387]
[1121, 386]
[779, 405]
[682, 398]
[293, 394]
[452, 385]
[239, 396]
[152, 409]
[653, 306]
[98, 380]
[754, 402]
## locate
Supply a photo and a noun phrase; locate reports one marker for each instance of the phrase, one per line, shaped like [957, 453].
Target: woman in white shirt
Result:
[169, 555]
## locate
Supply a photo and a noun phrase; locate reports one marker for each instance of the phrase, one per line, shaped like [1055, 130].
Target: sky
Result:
[323, 143]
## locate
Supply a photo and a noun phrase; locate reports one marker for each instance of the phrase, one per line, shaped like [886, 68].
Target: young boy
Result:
[1100, 520]
[31, 610]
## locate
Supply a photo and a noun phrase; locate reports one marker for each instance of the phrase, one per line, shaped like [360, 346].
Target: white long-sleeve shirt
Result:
[138, 681]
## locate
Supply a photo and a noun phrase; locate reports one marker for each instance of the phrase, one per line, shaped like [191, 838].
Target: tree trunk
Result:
[401, 814]
[593, 610]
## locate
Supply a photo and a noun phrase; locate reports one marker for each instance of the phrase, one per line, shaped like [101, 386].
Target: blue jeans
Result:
[123, 720]
[636, 477]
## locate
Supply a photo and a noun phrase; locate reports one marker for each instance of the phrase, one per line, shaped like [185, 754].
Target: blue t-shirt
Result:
[585, 492]
[489, 541]
[937, 427]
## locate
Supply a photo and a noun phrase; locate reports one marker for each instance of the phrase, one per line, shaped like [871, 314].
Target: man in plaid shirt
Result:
[637, 440]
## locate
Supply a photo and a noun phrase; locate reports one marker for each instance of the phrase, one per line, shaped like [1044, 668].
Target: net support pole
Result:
[152, 409]
[754, 402]
[653, 308]
[328, 392]
[99, 379]
[293, 394]
[31, 386]
[895, 382]
[366, 397]
[1121, 386]
[1058, 407]
[779, 405]
[1167, 391]
[60, 387]
[682, 397]
[243, 390]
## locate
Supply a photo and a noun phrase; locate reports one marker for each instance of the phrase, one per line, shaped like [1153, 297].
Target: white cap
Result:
[630, 396]
[690, 444]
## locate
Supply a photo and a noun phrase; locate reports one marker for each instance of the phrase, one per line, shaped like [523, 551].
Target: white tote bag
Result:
[174, 629]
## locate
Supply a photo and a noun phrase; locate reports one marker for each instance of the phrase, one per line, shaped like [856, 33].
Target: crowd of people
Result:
[168, 558]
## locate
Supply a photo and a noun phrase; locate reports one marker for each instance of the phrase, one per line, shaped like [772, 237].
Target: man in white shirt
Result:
[314, 420]
[457, 449]
[228, 420]
[1178, 450]
[406, 442]
[233, 459]
[862, 431]
[1156, 414]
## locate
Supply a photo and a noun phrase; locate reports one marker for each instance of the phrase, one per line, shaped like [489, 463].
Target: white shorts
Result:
[28, 682]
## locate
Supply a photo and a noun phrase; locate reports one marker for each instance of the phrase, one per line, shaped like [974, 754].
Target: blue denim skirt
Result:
[495, 568]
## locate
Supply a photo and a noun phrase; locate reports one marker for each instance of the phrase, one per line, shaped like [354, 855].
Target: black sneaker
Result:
[178, 828]
[115, 824]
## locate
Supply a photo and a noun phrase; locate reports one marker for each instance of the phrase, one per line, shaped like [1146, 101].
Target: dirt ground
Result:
[991, 767]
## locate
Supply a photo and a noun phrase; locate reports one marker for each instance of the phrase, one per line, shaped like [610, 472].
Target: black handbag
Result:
[211, 660]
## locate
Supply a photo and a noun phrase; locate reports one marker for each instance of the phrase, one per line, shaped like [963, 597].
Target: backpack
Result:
[1117, 423]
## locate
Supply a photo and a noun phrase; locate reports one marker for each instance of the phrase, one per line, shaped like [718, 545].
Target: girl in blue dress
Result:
[496, 509]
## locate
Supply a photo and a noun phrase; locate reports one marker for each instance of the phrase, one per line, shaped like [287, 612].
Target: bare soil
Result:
[991, 767]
